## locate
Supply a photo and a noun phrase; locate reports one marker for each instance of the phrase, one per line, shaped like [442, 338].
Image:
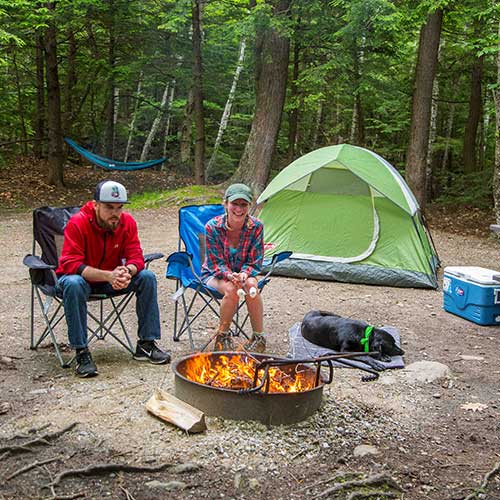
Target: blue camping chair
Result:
[184, 266]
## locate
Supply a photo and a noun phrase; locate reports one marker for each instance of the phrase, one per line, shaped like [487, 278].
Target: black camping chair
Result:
[184, 266]
[48, 237]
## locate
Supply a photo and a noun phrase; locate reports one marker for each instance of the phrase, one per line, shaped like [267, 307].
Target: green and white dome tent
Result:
[347, 215]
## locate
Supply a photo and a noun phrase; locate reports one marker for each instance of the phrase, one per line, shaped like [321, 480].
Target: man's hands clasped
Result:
[120, 278]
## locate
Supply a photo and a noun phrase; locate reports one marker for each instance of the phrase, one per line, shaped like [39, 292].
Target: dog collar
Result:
[365, 340]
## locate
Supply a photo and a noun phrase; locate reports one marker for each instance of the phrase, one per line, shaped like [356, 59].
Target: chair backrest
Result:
[192, 220]
[48, 230]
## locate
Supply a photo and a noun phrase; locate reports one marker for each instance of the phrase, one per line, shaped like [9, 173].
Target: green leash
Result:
[365, 340]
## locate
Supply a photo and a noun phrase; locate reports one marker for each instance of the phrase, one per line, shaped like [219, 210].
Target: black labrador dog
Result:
[330, 330]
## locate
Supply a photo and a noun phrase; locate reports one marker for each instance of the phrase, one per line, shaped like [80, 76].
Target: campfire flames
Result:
[236, 372]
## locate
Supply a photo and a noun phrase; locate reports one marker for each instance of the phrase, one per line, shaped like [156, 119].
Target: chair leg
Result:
[49, 330]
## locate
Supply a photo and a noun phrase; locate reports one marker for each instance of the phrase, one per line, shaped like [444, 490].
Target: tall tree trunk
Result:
[109, 144]
[496, 171]
[69, 84]
[186, 130]
[318, 124]
[20, 105]
[40, 96]
[449, 131]
[429, 175]
[55, 149]
[154, 126]
[199, 118]
[134, 116]
[358, 120]
[168, 120]
[421, 106]
[475, 104]
[227, 109]
[271, 71]
[293, 115]
[485, 125]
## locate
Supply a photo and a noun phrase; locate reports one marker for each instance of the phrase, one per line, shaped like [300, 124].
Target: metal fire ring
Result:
[266, 407]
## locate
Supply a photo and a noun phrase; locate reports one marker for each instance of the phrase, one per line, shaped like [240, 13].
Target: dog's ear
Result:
[385, 344]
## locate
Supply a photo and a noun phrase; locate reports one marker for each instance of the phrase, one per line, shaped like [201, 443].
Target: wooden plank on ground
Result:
[177, 412]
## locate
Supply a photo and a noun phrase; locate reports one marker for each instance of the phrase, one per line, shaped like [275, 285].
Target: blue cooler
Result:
[472, 293]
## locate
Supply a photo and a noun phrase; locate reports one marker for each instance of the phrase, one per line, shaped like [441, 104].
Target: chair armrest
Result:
[34, 262]
[150, 257]
[177, 263]
[180, 258]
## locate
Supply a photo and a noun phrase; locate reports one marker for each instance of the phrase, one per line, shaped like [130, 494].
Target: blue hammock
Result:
[110, 164]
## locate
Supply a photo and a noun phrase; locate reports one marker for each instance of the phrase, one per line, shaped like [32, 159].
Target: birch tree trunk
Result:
[496, 171]
[134, 116]
[155, 126]
[227, 109]
[416, 156]
[168, 120]
[186, 130]
[429, 177]
[271, 71]
[20, 104]
[293, 115]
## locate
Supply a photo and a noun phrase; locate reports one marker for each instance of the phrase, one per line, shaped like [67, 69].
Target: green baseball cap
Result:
[238, 192]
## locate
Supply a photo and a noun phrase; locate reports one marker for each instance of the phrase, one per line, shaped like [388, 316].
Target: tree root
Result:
[377, 480]
[341, 475]
[25, 447]
[100, 469]
[484, 484]
[28, 467]
[355, 495]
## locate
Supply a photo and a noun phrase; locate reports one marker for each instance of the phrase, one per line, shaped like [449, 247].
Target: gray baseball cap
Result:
[238, 192]
[110, 192]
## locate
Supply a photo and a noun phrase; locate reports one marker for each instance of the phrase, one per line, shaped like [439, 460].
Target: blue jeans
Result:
[75, 290]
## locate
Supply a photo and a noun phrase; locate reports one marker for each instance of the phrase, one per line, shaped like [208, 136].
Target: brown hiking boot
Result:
[223, 342]
[257, 343]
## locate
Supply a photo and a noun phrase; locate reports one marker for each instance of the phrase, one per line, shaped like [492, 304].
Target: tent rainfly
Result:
[347, 215]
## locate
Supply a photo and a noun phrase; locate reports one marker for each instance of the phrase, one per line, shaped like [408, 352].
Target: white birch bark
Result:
[319, 117]
[432, 138]
[134, 116]
[449, 129]
[227, 109]
[169, 118]
[154, 126]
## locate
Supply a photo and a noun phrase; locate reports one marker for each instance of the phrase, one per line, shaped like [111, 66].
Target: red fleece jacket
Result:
[87, 244]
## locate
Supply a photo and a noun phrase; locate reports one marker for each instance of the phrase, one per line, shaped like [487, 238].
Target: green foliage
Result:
[178, 197]
[467, 189]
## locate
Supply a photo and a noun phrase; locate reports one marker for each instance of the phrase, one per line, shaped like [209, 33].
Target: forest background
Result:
[237, 89]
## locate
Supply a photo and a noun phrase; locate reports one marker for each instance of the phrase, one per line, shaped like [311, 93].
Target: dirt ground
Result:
[437, 440]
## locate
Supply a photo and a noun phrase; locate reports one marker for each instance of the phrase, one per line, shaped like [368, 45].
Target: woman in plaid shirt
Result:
[233, 259]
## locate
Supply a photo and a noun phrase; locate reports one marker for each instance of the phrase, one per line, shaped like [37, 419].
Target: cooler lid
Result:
[479, 275]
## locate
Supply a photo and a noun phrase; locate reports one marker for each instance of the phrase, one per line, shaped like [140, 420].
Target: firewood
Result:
[177, 412]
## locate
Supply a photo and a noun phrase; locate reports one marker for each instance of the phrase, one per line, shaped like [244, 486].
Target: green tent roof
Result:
[365, 164]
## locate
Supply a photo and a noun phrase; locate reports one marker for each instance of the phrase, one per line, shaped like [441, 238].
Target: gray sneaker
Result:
[147, 350]
[85, 366]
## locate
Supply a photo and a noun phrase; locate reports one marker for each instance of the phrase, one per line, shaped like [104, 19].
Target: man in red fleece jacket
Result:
[102, 254]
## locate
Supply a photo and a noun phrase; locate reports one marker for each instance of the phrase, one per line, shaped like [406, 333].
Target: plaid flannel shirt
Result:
[249, 255]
